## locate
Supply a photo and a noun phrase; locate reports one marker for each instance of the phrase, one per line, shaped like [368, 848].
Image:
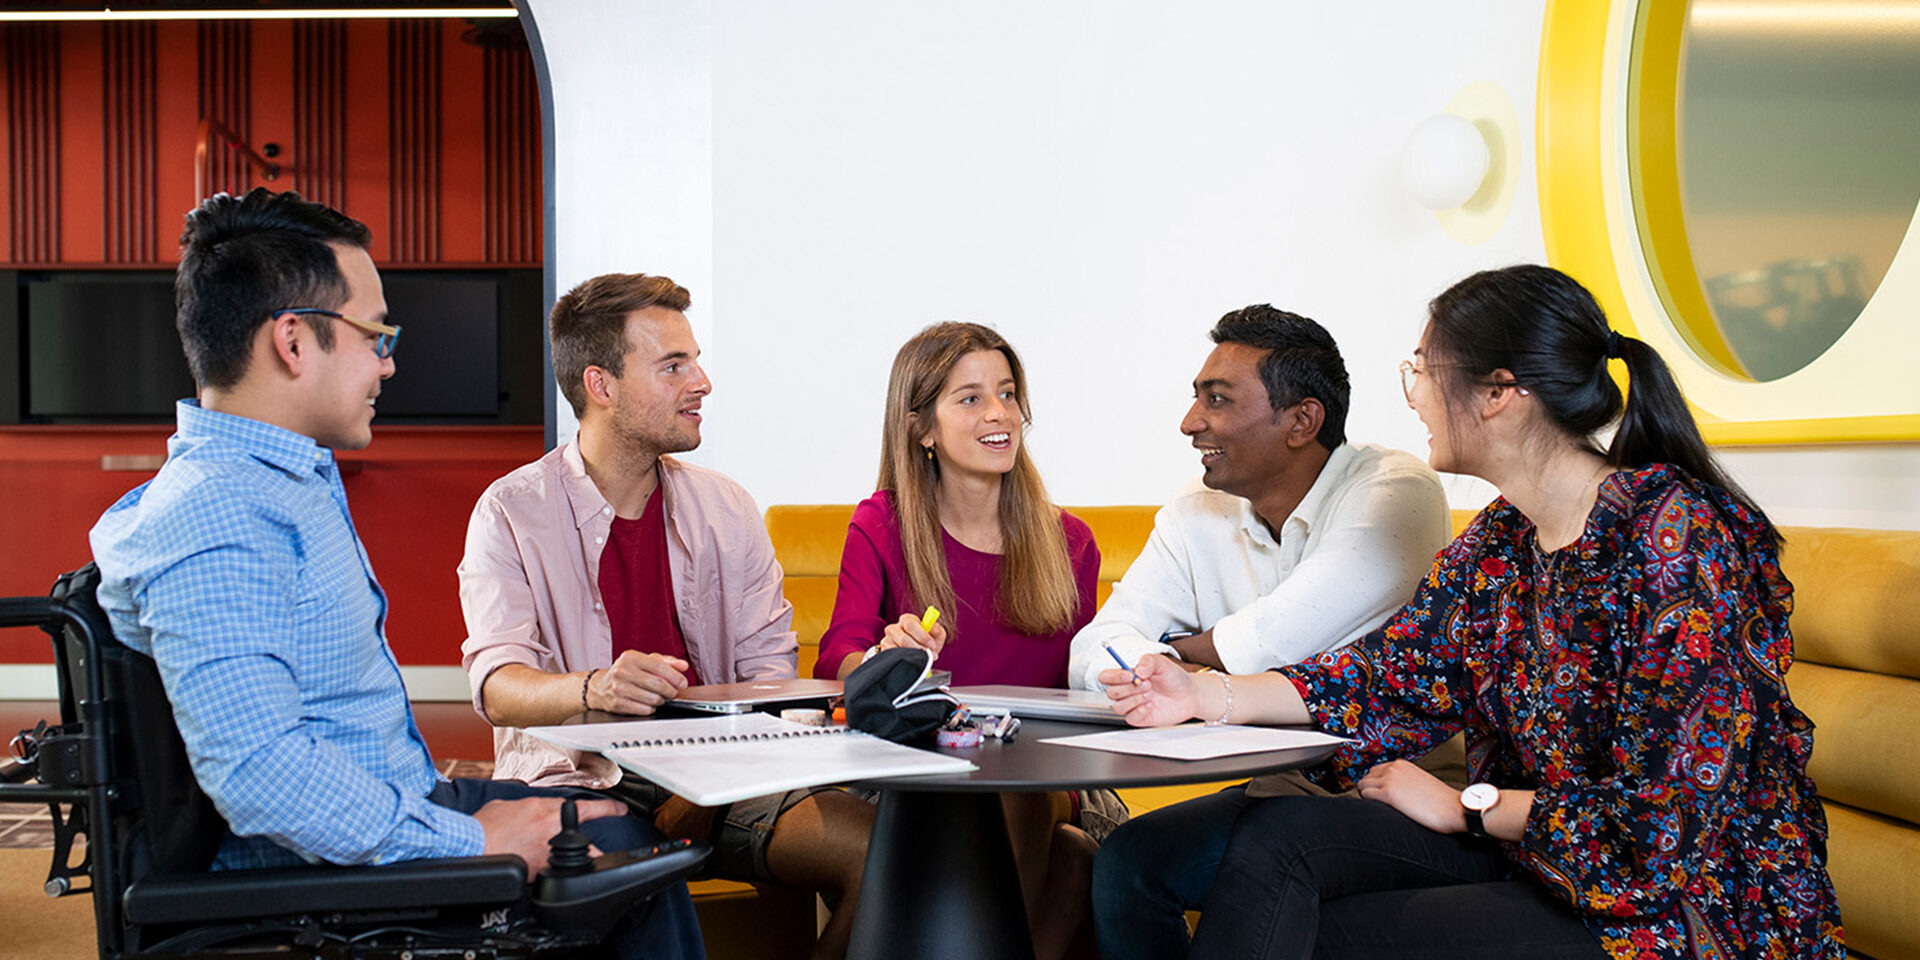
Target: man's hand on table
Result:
[637, 683]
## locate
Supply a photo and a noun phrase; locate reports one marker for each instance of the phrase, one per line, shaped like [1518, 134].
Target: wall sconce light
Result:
[1463, 164]
[1444, 162]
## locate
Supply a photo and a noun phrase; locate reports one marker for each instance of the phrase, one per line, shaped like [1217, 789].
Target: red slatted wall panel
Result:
[127, 57]
[32, 72]
[513, 189]
[413, 131]
[430, 139]
[320, 111]
[225, 94]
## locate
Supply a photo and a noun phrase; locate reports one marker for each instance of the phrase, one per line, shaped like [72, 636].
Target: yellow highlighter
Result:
[931, 617]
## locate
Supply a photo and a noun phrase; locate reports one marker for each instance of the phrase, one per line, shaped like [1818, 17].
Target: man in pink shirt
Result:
[607, 576]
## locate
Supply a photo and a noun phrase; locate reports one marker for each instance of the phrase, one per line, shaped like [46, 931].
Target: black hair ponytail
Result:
[1545, 328]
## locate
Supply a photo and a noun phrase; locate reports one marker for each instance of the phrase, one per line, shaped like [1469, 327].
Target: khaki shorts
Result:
[741, 830]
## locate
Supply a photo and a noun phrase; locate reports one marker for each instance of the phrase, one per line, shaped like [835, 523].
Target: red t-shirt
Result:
[637, 586]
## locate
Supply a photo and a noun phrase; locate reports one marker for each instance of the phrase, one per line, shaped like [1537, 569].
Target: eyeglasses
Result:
[1409, 370]
[385, 335]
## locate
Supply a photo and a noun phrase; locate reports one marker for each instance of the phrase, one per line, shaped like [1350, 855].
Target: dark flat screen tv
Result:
[100, 347]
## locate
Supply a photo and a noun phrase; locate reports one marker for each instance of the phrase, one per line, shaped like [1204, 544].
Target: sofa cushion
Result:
[807, 539]
[1865, 753]
[1120, 532]
[1875, 863]
[1856, 597]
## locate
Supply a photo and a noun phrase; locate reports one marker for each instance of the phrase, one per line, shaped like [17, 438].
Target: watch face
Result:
[1480, 796]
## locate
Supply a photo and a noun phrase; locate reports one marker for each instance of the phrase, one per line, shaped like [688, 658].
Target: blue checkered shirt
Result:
[238, 570]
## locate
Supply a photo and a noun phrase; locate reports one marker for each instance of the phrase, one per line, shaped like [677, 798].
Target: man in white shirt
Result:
[1302, 542]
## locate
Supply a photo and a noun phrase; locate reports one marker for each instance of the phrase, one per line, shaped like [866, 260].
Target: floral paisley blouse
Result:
[1635, 680]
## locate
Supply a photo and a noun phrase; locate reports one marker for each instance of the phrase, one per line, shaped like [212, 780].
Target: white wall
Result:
[1098, 180]
[633, 152]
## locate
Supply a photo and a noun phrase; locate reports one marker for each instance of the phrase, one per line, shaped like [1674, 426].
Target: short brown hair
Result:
[588, 326]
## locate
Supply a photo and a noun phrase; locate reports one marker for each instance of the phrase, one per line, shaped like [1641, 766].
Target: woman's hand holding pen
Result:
[1164, 694]
[908, 632]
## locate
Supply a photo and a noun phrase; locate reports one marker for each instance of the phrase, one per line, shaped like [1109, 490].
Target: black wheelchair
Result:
[115, 775]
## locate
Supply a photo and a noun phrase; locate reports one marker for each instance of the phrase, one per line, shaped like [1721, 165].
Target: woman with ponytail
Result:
[1611, 637]
[962, 523]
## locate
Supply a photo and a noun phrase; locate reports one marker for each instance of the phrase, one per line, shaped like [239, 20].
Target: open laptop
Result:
[1048, 703]
[754, 695]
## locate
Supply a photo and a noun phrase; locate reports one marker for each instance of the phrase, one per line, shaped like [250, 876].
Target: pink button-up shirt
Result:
[529, 587]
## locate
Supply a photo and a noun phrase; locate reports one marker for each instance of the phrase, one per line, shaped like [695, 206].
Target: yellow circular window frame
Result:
[1605, 126]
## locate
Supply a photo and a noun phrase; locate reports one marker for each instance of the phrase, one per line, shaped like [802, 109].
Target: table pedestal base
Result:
[940, 881]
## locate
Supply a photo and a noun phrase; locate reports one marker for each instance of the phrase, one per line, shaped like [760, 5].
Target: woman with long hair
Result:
[962, 523]
[1611, 636]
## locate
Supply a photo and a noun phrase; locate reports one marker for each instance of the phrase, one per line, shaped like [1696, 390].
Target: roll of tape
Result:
[967, 737]
[812, 718]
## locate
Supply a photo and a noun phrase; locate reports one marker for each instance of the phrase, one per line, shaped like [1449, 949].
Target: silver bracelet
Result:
[1226, 684]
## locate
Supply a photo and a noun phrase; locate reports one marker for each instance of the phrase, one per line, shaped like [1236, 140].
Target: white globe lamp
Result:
[1444, 161]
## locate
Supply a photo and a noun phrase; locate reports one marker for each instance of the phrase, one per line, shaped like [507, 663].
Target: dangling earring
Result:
[929, 451]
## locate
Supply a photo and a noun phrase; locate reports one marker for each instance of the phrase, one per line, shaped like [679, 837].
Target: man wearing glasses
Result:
[238, 570]
[1301, 543]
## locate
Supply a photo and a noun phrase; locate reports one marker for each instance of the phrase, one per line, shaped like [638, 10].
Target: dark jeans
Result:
[662, 927]
[1313, 877]
[1154, 868]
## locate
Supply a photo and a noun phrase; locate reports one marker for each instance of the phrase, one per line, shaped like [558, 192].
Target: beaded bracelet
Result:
[1226, 684]
[583, 689]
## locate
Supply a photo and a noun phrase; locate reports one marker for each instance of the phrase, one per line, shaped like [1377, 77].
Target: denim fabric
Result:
[1155, 867]
[1314, 877]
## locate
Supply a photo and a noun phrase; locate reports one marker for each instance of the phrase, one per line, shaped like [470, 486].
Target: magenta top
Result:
[874, 593]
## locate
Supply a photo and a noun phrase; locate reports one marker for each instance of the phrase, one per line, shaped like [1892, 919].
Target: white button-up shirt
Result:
[1347, 556]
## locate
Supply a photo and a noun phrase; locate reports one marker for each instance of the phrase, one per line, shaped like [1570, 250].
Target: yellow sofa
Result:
[1856, 626]
[1856, 632]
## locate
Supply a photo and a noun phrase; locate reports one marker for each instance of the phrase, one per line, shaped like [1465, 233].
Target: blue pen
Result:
[1116, 659]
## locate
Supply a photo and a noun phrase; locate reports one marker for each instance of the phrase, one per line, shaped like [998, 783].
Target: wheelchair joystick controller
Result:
[568, 850]
[579, 892]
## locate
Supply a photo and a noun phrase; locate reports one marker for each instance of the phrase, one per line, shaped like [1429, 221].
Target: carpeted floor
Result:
[42, 929]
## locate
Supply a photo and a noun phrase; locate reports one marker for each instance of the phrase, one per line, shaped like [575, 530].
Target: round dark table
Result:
[940, 880]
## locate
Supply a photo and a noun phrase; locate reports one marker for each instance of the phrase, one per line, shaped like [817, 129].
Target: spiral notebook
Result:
[715, 760]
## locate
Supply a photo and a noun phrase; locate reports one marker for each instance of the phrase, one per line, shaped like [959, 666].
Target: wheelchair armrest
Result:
[28, 611]
[289, 891]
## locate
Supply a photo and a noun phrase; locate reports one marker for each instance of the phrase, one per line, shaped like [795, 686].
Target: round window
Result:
[1773, 168]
